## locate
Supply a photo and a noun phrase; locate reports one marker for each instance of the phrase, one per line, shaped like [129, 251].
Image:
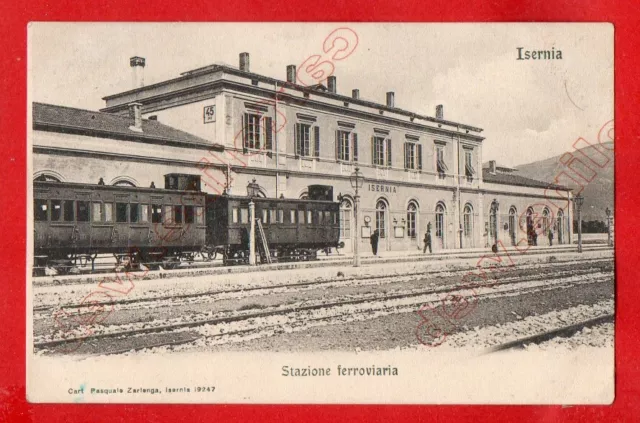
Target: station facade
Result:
[232, 126]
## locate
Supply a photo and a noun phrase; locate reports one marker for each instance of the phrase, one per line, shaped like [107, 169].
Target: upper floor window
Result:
[347, 146]
[441, 166]
[257, 132]
[469, 170]
[412, 156]
[307, 140]
[381, 151]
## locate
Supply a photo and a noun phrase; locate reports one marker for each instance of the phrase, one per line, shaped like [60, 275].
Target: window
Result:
[156, 213]
[512, 225]
[244, 215]
[40, 209]
[293, 216]
[440, 221]
[546, 221]
[121, 212]
[264, 216]
[68, 211]
[134, 212]
[97, 212]
[346, 146]
[381, 151]
[303, 140]
[56, 210]
[189, 216]
[346, 212]
[82, 211]
[412, 156]
[252, 131]
[108, 212]
[467, 221]
[412, 213]
[381, 218]
[177, 214]
[199, 211]
[168, 215]
[441, 166]
[320, 221]
[301, 216]
[272, 216]
[469, 170]
[327, 218]
[280, 216]
[309, 217]
[234, 215]
[144, 213]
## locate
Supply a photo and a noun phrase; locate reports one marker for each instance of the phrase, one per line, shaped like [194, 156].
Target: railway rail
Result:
[173, 333]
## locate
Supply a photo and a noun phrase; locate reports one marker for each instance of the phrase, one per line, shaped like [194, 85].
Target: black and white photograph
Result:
[320, 213]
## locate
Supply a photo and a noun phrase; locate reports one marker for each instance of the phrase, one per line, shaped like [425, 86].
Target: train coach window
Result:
[56, 210]
[68, 211]
[293, 216]
[272, 216]
[40, 209]
[234, 215]
[319, 222]
[177, 214]
[121, 212]
[156, 213]
[199, 212]
[96, 212]
[168, 215]
[327, 218]
[82, 211]
[280, 216]
[309, 216]
[188, 214]
[264, 216]
[301, 216]
[244, 215]
[134, 212]
[108, 212]
[144, 213]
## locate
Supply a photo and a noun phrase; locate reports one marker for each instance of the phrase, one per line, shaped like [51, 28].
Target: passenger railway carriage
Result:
[73, 223]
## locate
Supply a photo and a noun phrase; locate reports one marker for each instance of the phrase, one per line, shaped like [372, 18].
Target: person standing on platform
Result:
[374, 242]
[550, 237]
[427, 240]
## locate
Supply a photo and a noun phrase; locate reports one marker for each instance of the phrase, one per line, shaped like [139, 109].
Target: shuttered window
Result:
[412, 156]
[303, 140]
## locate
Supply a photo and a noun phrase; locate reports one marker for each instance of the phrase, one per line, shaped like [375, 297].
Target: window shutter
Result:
[316, 134]
[354, 143]
[245, 132]
[419, 155]
[373, 150]
[388, 151]
[268, 129]
[298, 139]
[406, 155]
[338, 146]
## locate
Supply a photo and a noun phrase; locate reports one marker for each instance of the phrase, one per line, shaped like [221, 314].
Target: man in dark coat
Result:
[550, 237]
[374, 242]
[427, 240]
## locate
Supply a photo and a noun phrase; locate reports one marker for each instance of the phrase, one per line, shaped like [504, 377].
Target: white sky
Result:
[526, 108]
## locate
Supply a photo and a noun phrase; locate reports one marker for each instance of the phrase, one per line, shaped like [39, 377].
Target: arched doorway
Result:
[493, 222]
[467, 226]
[513, 228]
[346, 219]
[560, 227]
[546, 223]
[530, 229]
[382, 219]
[412, 220]
[440, 241]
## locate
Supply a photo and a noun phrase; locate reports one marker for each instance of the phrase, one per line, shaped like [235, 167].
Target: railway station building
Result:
[232, 126]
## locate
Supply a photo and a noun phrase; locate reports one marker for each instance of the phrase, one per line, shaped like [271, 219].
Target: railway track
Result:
[565, 331]
[207, 268]
[177, 333]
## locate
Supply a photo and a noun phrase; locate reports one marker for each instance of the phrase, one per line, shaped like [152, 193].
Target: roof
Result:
[512, 179]
[108, 125]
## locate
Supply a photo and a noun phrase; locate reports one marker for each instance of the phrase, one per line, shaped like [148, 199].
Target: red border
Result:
[13, 406]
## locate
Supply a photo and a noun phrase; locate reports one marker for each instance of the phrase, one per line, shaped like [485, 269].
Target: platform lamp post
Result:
[252, 191]
[579, 202]
[357, 180]
[608, 212]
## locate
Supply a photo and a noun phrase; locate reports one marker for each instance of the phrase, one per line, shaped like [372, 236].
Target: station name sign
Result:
[390, 189]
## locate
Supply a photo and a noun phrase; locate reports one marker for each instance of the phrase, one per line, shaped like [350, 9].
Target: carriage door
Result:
[346, 217]
[81, 236]
[138, 222]
[101, 220]
[120, 232]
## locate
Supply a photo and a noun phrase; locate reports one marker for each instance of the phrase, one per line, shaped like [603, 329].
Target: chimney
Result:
[391, 99]
[355, 94]
[137, 71]
[244, 62]
[439, 111]
[331, 84]
[135, 112]
[291, 74]
[492, 167]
